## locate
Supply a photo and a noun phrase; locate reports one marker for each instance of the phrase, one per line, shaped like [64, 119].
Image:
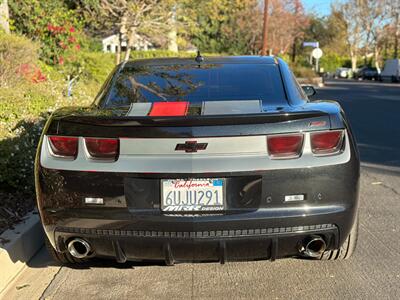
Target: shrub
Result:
[97, 65]
[330, 62]
[17, 155]
[51, 23]
[15, 51]
[24, 107]
[303, 72]
[23, 111]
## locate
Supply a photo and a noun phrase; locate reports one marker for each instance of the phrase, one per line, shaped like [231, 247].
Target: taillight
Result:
[327, 142]
[64, 146]
[102, 148]
[285, 146]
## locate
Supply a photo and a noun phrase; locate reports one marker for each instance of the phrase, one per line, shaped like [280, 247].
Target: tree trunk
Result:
[353, 57]
[123, 34]
[172, 34]
[376, 57]
[127, 53]
[131, 41]
[4, 16]
[172, 43]
[118, 52]
[294, 48]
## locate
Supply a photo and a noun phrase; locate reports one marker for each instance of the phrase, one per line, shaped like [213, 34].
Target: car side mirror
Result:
[309, 90]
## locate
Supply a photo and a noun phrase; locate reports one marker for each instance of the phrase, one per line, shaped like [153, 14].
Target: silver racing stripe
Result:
[139, 109]
[223, 154]
[231, 107]
[215, 145]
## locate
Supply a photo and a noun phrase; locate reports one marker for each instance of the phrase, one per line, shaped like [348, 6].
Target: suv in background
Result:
[367, 72]
[391, 71]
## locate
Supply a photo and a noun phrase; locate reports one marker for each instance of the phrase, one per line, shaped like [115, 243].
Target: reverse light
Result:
[91, 200]
[102, 148]
[285, 146]
[64, 146]
[327, 142]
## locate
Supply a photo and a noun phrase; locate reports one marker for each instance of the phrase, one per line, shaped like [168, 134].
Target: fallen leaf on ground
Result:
[20, 287]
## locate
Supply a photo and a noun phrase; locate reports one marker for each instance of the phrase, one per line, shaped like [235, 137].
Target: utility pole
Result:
[265, 28]
[296, 12]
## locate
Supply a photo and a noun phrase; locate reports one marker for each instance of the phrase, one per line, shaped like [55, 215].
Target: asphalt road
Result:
[373, 272]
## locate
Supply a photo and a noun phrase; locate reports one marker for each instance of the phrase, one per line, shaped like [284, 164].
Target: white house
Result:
[110, 43]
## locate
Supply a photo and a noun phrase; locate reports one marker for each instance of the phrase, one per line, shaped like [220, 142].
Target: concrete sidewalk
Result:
[18, 246]
[34, 279]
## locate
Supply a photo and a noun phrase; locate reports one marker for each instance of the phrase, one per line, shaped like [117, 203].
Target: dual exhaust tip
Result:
[313, 246]
[79, 248]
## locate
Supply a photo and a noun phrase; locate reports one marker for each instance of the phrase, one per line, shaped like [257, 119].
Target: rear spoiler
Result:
[204, 120]
[189, 126]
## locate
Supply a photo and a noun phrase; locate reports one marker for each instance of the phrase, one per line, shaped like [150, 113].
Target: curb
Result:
[24, 241]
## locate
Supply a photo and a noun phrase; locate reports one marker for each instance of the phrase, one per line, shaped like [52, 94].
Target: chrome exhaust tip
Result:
[79, 248]
[314, 246]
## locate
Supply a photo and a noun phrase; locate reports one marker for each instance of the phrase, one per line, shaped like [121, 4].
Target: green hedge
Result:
[330, 62]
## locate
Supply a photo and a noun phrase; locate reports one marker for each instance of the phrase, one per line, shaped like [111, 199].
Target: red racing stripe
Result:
[161, 109]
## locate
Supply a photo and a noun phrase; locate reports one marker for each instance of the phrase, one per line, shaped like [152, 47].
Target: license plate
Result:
[192, 195]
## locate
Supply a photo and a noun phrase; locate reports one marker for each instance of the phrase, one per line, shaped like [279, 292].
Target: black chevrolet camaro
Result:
[206, 159]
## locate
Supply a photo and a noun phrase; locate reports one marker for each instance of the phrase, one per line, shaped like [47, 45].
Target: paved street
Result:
[374, 271]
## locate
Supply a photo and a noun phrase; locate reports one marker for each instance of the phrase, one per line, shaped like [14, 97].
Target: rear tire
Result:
[63, 258]
[348, 247]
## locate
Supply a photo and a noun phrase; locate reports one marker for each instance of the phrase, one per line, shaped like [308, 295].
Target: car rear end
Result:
[187, 162]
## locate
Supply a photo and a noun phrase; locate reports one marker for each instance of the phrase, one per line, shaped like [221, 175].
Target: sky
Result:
[320, 7]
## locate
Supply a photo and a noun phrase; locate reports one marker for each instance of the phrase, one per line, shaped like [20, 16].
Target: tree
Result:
[241, 32]
[374, 15]
[337, 32]
[353, 23]
[147, 17]
[4, 16]
[224, 26]
[395, 17]
[287, 22]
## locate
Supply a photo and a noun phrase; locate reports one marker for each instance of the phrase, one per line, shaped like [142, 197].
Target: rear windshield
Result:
[210, 82]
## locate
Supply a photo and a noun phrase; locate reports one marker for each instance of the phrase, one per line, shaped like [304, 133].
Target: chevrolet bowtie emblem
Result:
[191, 146]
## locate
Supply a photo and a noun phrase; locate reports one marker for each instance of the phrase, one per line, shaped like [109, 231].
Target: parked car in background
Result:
[391, 71]
[206, 159]
[342, 73]
[367, 72]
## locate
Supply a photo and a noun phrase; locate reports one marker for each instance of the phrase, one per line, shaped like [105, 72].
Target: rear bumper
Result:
[252, 235]
[257, 224]
[214, 245]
